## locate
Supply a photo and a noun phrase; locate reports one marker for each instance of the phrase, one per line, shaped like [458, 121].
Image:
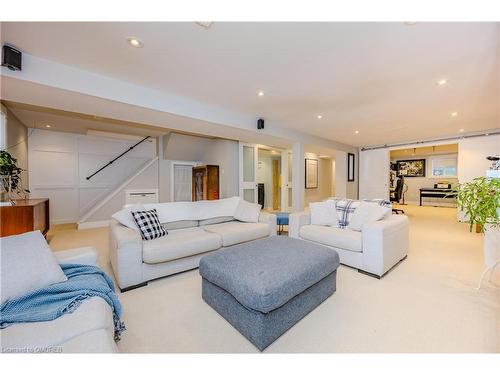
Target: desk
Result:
[26, 216]
[436, 193]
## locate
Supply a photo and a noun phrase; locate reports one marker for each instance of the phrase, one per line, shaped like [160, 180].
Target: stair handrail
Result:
[118, 157]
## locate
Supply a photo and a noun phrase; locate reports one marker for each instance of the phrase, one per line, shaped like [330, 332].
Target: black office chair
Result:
[397, 194]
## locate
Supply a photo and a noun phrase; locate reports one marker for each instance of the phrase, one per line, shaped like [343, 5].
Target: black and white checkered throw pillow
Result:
[149, 224]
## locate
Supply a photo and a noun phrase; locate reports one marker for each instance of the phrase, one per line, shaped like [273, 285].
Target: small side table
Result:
[282, 220]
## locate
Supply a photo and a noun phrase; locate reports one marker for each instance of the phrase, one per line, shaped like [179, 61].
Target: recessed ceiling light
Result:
[319, 117]
[260, 93]
[205, 24]
[356, 132]
[48, 126]
[461, 130]
[454, 114]
[442, 82]
[134, 42]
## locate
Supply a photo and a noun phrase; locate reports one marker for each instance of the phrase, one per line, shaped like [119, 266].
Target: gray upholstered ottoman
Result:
[264, 287]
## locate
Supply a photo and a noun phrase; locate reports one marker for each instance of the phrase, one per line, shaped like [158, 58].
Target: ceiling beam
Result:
[57, 80]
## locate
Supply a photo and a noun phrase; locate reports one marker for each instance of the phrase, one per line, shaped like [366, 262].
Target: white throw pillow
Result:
[247, 212]
[367, 213]
[27, 264]
[125, 217]
[324, 213]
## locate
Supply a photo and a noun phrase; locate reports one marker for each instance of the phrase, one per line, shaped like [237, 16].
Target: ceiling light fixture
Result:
[454, 114]
[410, 23]
[319, 117]
[442, 82]
[461, 130]
[48, 126]
[356, 132]
[205, 25]
[134, 42]
[260, 93]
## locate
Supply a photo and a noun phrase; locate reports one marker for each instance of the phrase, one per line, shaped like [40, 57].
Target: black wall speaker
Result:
[11, 58]
[260, 123]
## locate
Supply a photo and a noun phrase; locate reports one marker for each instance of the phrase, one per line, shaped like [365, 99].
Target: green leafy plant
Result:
[480, 200]
[9, 167]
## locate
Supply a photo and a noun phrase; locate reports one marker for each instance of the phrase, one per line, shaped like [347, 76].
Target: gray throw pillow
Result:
[27, 264]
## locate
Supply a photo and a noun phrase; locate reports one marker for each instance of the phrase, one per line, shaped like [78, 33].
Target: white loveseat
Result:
[194, 229]
[374, 250]
[89, 329]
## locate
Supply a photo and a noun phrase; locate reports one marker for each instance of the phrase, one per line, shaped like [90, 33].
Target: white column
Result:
[340, 174]
[298, 176]
[163, 171]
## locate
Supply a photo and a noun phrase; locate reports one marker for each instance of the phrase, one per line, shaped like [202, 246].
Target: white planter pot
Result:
[491, 245]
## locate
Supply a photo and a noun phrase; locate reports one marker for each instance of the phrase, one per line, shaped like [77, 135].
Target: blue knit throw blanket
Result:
[51, 302]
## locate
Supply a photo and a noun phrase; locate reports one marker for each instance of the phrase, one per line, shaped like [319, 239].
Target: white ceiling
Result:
[378, 78]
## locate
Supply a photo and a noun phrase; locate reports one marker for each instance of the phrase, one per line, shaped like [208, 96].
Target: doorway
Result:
[269, 178]
[265, 174]
[424, 175]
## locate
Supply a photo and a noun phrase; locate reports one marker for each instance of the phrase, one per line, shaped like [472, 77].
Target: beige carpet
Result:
[428, 303]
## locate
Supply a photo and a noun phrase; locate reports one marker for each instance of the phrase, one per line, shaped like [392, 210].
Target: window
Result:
[444, 167]
[3, 131]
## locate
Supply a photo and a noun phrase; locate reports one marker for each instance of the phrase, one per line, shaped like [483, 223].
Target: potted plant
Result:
[480, 201]
[10, 177]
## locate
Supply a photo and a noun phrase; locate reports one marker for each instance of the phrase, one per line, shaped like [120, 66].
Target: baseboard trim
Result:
[133, 287]
[93, 224]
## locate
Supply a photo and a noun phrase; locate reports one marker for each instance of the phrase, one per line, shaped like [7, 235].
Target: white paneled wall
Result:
[60, 162]
[472, 153]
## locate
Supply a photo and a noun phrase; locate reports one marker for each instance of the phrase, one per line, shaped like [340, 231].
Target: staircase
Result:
[92, 210]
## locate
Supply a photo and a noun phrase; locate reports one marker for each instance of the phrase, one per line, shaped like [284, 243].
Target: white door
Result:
[248, 156]
[182, 183]
[286, 180]
[374, 166]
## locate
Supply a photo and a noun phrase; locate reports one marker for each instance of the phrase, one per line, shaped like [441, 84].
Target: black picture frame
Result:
[413, 168]
[351, 167]
[311, 174]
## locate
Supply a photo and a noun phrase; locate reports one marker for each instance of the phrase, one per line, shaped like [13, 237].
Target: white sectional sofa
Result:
[89, 329]
[374, 250]
[194, 229]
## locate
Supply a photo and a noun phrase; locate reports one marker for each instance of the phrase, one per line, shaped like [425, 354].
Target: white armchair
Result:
[374, 250]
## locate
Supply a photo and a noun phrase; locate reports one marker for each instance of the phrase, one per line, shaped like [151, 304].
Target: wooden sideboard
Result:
[25, 216]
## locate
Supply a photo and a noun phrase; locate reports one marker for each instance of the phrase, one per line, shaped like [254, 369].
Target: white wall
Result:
[472, 153]
[224, 153]
[340, 174]
[324, 189]
[148, 179]
[60, 162]
[344, 188]
[17, 143]
[200, 150]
